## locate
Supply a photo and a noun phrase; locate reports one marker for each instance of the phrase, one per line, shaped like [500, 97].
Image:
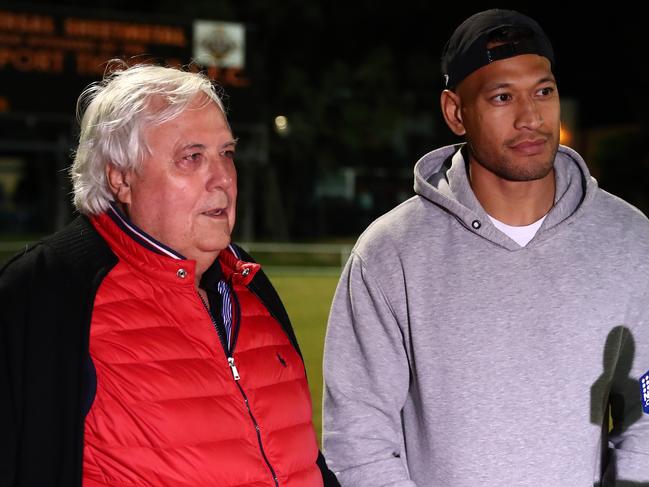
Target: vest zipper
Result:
[235, 372]
[258, 430]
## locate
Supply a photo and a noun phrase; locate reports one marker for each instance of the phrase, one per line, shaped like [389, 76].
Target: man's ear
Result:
[452, 111]
[119, 183]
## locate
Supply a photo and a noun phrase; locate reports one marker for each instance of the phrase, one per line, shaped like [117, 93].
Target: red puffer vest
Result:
[168, 410]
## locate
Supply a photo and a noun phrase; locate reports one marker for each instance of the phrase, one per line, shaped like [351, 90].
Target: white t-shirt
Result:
[520, 235]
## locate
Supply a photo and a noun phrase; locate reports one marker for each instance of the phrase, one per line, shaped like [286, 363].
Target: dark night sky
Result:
[601, 52]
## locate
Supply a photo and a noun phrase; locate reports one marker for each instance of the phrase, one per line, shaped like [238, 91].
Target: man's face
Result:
[184, 194]
[511, 117]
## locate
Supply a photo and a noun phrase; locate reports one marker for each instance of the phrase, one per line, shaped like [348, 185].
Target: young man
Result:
[483, 330]
[138, 346]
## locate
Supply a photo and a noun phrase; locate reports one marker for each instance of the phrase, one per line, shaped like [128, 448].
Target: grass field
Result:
[307, 299]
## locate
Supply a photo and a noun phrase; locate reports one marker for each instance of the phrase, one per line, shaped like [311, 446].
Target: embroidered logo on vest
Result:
[281, 360]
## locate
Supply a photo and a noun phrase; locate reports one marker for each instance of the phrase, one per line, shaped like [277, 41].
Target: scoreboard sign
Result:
[47, 57]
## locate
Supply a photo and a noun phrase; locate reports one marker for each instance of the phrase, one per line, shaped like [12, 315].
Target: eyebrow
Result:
[192, 146]
[231, 143]
[228, 144]
[497, 86]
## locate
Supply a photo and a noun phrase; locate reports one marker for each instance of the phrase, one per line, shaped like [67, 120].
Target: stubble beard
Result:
[508, 170]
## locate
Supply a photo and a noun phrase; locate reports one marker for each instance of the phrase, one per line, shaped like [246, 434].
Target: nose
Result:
[528, 116]
[221, 173]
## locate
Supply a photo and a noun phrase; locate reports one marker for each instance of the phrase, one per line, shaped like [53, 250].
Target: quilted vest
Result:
[170, 408]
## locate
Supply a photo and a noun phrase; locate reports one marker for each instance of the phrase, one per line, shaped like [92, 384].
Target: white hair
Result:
[113, 114]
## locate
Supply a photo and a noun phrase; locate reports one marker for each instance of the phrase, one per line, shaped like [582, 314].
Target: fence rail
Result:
[339, 253]
[342, 251]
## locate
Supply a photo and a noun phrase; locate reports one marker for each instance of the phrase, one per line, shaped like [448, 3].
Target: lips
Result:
[216, 212]
[529, 147]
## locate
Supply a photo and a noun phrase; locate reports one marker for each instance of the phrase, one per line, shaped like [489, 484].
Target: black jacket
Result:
[46, 300]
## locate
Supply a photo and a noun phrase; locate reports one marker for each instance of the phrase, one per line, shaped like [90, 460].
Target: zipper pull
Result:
[235, 372]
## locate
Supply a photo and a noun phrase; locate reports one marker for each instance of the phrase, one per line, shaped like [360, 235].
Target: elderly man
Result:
[138, 346]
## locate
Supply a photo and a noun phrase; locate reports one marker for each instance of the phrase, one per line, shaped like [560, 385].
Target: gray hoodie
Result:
[455, 357]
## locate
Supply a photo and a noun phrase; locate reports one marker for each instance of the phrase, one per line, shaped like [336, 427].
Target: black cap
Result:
[466, 50]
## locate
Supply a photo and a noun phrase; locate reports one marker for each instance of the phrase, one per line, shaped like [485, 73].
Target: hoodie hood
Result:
[441, 178]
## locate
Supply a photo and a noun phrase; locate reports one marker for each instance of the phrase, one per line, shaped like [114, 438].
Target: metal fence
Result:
[313, 258]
